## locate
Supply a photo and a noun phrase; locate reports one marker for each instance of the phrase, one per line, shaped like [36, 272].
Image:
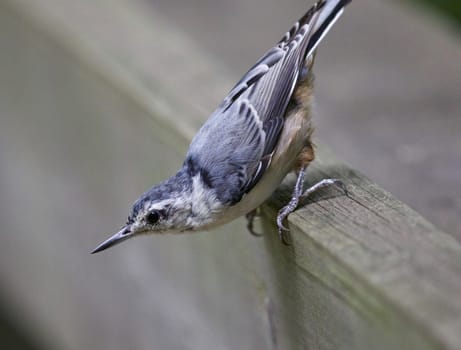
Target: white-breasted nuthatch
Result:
[258, 134]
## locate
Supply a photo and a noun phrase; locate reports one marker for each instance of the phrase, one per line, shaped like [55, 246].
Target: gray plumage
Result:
[235, 144]
[230, 158]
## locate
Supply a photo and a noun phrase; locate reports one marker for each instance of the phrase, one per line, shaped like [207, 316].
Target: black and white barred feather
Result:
[234, 146]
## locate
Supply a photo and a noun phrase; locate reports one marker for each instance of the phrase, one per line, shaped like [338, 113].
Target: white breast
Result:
[297, 130]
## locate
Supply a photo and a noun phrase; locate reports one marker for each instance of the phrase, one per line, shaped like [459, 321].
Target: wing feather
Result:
[235, 145]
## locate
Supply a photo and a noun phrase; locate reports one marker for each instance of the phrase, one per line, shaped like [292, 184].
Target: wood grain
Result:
[95, 119]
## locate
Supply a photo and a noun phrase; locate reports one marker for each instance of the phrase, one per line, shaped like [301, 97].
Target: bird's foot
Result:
[250, 222]
[322, 184]
[299, 195]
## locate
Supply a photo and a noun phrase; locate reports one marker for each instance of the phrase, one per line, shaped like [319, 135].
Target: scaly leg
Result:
[291, 206]
[322, 184]
[298, 195]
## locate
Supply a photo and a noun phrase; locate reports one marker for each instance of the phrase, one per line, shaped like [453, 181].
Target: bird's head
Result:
[162, 209]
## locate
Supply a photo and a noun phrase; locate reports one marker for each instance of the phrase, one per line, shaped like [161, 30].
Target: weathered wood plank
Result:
[376, 256]
[363, 272]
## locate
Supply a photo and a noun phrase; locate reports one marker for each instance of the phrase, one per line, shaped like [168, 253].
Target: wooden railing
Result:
[99, 102]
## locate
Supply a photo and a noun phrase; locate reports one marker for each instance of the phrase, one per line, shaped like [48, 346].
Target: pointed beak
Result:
[119, 237]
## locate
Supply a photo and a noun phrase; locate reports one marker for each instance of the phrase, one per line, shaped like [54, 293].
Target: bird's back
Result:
[235, 147]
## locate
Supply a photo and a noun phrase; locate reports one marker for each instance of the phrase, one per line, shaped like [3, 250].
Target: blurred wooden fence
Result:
[98, 101]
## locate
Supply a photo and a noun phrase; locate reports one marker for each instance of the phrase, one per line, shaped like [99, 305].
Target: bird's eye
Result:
[152, 217]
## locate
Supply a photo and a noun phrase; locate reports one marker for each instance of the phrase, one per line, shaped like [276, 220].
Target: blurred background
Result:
[389, 105]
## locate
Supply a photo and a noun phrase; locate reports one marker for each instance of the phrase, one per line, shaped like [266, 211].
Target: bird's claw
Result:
[283, 235]
[282, 229]
[280, 219]
[250, 221]
[341, 185]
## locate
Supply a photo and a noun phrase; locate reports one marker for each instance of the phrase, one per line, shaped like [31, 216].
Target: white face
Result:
[178, 211]
[149, 221]
[158, 217]
[151, 217]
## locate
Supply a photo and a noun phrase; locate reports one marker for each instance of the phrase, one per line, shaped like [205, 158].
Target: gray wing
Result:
[234, 147]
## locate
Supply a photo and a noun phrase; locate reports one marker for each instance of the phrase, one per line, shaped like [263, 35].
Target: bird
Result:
[258, 134]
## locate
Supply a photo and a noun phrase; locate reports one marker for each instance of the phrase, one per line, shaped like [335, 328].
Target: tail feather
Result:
[314, 25]
[328, 14]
